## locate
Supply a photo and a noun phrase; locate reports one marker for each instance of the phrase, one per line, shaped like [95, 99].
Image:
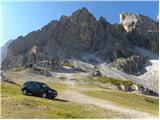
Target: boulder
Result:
[121, 87]
[134, 87]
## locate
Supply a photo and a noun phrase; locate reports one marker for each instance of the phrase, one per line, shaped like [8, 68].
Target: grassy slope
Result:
[107, 80]
[16, 105]
[130, 100]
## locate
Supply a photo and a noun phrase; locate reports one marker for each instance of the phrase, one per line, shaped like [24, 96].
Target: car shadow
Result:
[55, 99]
[61, 100]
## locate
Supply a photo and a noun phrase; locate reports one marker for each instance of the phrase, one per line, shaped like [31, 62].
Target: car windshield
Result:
[44, 86]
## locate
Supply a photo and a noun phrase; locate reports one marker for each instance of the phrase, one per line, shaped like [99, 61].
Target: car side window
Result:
[30, 85]
[27, 84]
[37, 86]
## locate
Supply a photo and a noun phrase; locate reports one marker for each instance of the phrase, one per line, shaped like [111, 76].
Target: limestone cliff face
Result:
[142, 30]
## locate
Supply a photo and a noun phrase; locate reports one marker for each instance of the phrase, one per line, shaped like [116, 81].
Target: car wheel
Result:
[51, 97]
[44, 95]
[24, 92]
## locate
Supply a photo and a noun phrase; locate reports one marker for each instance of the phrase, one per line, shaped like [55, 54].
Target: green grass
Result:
[130, 100]
[102, 79]
[16, 105]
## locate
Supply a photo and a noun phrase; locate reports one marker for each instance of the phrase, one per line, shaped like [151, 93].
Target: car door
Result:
[30, 87]
[37, 90]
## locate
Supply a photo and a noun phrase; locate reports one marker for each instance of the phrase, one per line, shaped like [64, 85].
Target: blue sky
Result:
[20, 18]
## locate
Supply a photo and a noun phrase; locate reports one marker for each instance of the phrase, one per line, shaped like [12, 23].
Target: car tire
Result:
[24, 92]
[51, 97]
[44, 95]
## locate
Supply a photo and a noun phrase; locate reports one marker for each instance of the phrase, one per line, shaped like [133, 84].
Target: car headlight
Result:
[50, 91]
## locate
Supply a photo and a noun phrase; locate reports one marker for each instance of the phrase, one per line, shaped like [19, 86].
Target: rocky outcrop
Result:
[137, 88]
[142, 31]
[131, 65]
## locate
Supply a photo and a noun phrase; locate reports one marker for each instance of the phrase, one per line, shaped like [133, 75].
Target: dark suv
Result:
[38, 89]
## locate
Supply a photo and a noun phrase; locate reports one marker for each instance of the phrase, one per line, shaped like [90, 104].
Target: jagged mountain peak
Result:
[81, 11]
[102, 19]
[63, 17]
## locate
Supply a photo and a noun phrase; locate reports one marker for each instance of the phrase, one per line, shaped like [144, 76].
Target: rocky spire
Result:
[143, 31]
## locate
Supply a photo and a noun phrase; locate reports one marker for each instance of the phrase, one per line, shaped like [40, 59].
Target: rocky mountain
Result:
[74, 37]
